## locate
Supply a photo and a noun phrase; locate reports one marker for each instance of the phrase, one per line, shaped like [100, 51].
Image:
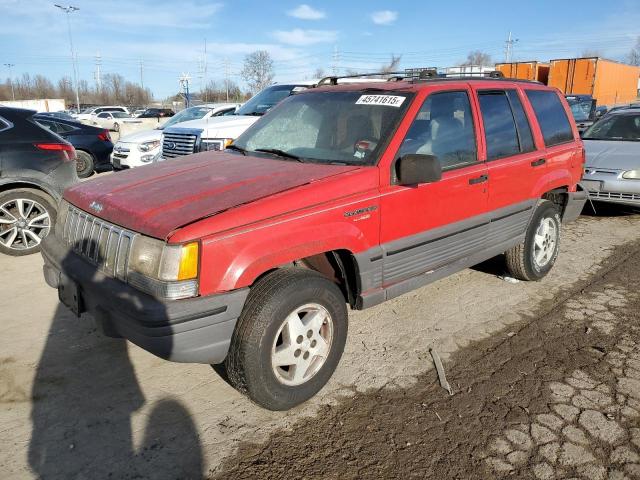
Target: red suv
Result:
[341, 195]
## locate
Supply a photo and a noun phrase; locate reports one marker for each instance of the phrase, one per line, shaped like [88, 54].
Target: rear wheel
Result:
[84, 164]
[534, 258]
[288, 340]
[26, 218]
[116, 127]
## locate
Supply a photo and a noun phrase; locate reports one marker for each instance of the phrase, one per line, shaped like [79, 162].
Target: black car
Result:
[36, 165]
[93, 144]
[60, 115]
[157, 113]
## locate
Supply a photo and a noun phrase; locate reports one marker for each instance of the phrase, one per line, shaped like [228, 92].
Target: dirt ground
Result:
[74, 404]
[554, 396]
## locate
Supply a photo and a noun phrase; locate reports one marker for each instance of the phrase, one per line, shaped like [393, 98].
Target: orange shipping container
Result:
[607, 81]
[525, 70]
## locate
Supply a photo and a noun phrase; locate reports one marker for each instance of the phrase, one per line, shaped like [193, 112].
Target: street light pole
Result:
[10, 66]
[70, 9]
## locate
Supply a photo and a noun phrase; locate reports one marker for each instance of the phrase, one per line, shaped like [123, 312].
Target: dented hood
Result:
[157, 199]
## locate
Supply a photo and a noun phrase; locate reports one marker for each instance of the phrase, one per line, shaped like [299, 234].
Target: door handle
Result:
[480, 179]
[537, 163]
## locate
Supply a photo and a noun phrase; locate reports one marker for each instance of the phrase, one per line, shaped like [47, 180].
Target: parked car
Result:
[138, 112]
[218, 133]
[36, 165]
[157, 113]
[60, 115]
[111, 120]
[612, 171]
[583, 108]
[93, 145]
[141, 148]
[347, 194]
[88, 114]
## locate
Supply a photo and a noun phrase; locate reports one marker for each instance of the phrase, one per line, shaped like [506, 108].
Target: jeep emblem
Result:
[96, 206]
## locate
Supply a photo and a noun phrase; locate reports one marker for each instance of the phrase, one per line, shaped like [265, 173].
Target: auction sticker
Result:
[388, 100]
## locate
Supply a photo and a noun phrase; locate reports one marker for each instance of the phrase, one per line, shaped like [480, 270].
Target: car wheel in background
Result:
[534, 258]
[26, 218]
[116, 127]
[84, 164]
[288, 339]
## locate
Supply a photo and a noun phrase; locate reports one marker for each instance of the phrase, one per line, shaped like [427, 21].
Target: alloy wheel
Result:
[23, 223]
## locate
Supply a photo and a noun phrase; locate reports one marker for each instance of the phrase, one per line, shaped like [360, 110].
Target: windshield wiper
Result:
[237, 149]
[280, 153]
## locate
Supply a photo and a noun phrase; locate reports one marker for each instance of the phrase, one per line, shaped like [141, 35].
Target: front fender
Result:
[238, 259]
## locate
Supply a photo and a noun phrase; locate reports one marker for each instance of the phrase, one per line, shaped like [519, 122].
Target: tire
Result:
[262, 343]
[533, 259]
[31, 215]
[84, 164]
[116, 127]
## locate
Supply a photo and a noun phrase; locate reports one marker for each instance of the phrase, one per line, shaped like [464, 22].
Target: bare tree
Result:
[393, 64]
[633, 56]
[258, 70]
[319, 73]
[217, 91]
[478, 57]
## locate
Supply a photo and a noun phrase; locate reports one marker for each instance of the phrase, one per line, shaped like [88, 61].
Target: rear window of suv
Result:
[551, 116]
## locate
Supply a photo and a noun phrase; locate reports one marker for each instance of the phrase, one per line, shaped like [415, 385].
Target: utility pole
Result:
[205, 70]
[141, 74]
[70, 9]
[98, 72]
[184, 80]
[10, 67]
[336, 60]
[227, 65]
[508, 49]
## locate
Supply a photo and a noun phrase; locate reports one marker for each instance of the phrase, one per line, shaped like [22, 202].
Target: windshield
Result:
[119, 115]
[267, 98]
[581, 110]
[192, 113]
[329, 127]
[615, 127]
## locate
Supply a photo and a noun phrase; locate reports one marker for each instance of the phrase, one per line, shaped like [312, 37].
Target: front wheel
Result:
[288, 340]
[534, 258]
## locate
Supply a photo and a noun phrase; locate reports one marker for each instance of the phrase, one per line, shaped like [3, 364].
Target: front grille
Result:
[614, 196]
[102, 243]
[178, 144]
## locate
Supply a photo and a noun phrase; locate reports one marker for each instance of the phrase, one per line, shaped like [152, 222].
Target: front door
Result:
[425, 227]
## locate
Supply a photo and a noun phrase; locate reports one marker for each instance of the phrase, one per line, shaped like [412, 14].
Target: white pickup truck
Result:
[218, 132]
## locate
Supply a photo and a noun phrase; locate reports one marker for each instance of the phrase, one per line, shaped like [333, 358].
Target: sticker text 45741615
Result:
[387, 100]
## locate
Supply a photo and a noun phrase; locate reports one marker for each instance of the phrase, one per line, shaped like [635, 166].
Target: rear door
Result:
[428, 226]
[515, 164]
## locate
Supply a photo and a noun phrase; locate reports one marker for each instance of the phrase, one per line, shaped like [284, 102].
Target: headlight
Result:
[147, 146]
[215, 144]
[164, 271]
[632, 175]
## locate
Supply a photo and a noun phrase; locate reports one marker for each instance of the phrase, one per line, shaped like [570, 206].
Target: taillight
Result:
[66, 150]
[104, 136]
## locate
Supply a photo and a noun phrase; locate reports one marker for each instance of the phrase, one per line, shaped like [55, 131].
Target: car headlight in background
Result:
[632, 175]
[148, 146]
[215, 144]
[162, 270]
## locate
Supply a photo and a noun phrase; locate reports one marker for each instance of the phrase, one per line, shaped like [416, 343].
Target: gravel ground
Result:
[554, 396]
[74, 404]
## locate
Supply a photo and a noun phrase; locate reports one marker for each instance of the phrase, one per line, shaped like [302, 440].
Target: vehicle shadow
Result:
[603, 209]
[84, 394]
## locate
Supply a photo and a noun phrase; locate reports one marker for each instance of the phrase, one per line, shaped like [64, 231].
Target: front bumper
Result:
[194, 330]
[131, 157]
[575, 204]
[609, 186]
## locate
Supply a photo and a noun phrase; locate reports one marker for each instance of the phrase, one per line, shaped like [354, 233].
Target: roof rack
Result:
[333, 79]
[426, 74]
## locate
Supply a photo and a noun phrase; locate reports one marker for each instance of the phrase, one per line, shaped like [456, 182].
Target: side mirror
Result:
[416, 168]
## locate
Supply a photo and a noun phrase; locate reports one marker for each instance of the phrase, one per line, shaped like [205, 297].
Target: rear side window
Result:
[499, 126]
[551, 116]
[524, 129]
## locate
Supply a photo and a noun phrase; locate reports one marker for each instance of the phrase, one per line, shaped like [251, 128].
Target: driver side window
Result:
[444, 128]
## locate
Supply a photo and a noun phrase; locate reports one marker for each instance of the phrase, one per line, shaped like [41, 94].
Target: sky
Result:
[168, 37]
